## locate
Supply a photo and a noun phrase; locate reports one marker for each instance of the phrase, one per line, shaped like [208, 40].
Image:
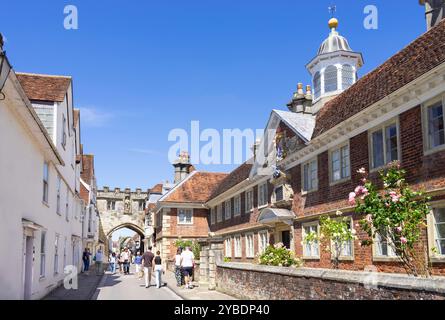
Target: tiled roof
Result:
[88, 167]
[419, 57]
[302, 123]
[157, 188]
[236, 176]
[76, 117]
[44, 87]
[196, 188]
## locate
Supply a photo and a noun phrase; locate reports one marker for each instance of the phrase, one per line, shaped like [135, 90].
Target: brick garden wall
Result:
[248, 281]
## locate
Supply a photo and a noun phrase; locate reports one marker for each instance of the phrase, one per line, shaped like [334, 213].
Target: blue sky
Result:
[142, 68]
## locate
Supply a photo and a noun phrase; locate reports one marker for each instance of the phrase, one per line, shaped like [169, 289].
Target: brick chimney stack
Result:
[434, 11]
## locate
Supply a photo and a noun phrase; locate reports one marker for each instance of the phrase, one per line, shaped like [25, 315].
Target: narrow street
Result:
[129, 287]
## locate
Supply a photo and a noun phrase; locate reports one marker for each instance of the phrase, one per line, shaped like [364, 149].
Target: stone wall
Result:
[248, 281]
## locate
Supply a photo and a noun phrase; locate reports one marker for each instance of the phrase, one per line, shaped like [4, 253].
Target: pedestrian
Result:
[147, 262]
[86, 259]
[112, 261]
[187, 263]
[137, 263]
[99, 261]
[126, 260]
[178, 270]
[158, 269]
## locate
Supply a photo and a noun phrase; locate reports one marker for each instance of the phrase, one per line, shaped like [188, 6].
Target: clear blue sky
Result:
[142, 68]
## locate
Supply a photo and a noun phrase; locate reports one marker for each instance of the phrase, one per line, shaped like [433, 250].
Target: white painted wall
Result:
[21, 188]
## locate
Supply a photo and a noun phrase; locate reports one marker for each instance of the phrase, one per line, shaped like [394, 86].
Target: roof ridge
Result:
[43, 75]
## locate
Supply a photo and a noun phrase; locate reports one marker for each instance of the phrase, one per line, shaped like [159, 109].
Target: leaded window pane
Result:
[347, 76]
[391, 143]
[331, 79]
[436, 125]
[377, 149]
[317, 85]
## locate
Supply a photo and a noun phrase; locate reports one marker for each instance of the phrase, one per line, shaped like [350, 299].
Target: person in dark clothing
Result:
[158, 269]
[86, 259]
[147, 262]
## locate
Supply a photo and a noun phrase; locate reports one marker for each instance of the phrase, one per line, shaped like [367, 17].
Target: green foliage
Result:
[396, 214]
[194, 245]
[227, 259]
[279, 255]
[337, 232]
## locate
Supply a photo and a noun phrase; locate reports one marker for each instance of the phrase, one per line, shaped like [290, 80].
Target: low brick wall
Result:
[249, 281]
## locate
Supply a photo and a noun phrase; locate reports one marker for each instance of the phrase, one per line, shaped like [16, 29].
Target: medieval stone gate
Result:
[118, 209]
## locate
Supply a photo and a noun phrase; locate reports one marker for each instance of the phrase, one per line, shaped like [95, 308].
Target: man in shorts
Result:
[187, 264]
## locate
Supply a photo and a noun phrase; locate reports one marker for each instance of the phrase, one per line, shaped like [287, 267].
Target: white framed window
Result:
[384, 145]
[42, 254]
[250, 250]
[228, 209]
[237, 205]
[310, 175]
[67, 206]
[317, 85]
[238, 247]
[219, 213]
[90, 220]
[435, 131]
[331, 79]
[59, 186]
[310, 249]
[185, 216]
[56, 254]
[111, 205]
[64, 253]
[382, 245]
[63, 131]
[438, 217]
[249, 201]
[212, 215]
[228, 247]
[45, 182]
[263, 241]
[347, 249]
[279, 193]
[347, 76]
[339, 163]
[262, 195]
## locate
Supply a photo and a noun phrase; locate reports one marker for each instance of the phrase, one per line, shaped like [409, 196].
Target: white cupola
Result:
[335, 67]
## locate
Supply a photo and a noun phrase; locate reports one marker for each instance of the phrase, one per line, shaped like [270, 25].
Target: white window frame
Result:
[228, 247]
[56, 254]
[238, 246]
[42, 254]
[331, 169]
[64, 125]
[112, 207]
[425, 124]
[212, 215]
[263, 202]
[185, 221]
[237, 205]
[315, 244]
[249, 201]
[377, 256]
[383, 128]
[67, 206]
[432, 233]
[59, 187]
[228, 209]
[219, 213]
[261, 248]
[342, 256]
[250, 245]
[45, 196]
[303, 177]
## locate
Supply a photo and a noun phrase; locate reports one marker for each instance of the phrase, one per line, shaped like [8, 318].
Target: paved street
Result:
[129, 287]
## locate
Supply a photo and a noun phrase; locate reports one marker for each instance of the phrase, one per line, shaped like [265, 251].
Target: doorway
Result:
[285, 238]
[28, 266]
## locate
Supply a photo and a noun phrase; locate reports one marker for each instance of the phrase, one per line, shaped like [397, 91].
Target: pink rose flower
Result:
[403, 240]
[352, 196]
[399, 229]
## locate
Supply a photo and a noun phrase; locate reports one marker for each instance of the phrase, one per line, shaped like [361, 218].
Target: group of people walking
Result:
[184, 267]
[121, 261]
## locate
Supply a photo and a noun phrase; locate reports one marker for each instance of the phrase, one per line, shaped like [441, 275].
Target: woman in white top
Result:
[178, 271]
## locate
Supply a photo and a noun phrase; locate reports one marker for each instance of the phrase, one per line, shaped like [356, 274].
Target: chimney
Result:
[434, 11]
[182, 166]
[301, 100]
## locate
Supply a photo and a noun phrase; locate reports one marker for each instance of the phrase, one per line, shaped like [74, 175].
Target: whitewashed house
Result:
[40, 207]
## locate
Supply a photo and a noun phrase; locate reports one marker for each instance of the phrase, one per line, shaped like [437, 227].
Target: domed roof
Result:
[334, 42]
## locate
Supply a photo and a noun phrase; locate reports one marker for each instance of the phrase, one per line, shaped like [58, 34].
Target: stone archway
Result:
[137, 229]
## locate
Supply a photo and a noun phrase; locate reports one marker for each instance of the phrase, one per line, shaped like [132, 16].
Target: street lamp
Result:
[5, 67]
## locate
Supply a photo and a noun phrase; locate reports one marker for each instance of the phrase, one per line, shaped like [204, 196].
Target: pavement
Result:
[199, 292]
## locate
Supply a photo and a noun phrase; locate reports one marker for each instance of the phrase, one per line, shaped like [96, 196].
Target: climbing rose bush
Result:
[335, 235]
[396, 215]
[278, 255]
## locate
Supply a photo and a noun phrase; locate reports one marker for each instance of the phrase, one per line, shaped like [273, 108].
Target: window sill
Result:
[263, 206]
[385, 259]
[344, 258]
[438, 259]
[304, 193]
[310, 258]
[42, 278]
[45, 203]
[434, 150]
[185, 224]
[334, 183]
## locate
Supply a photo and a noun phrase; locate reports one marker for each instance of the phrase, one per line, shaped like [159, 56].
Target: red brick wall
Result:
[199, 228]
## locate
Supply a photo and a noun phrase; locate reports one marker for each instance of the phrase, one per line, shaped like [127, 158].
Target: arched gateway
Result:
[120, 209]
